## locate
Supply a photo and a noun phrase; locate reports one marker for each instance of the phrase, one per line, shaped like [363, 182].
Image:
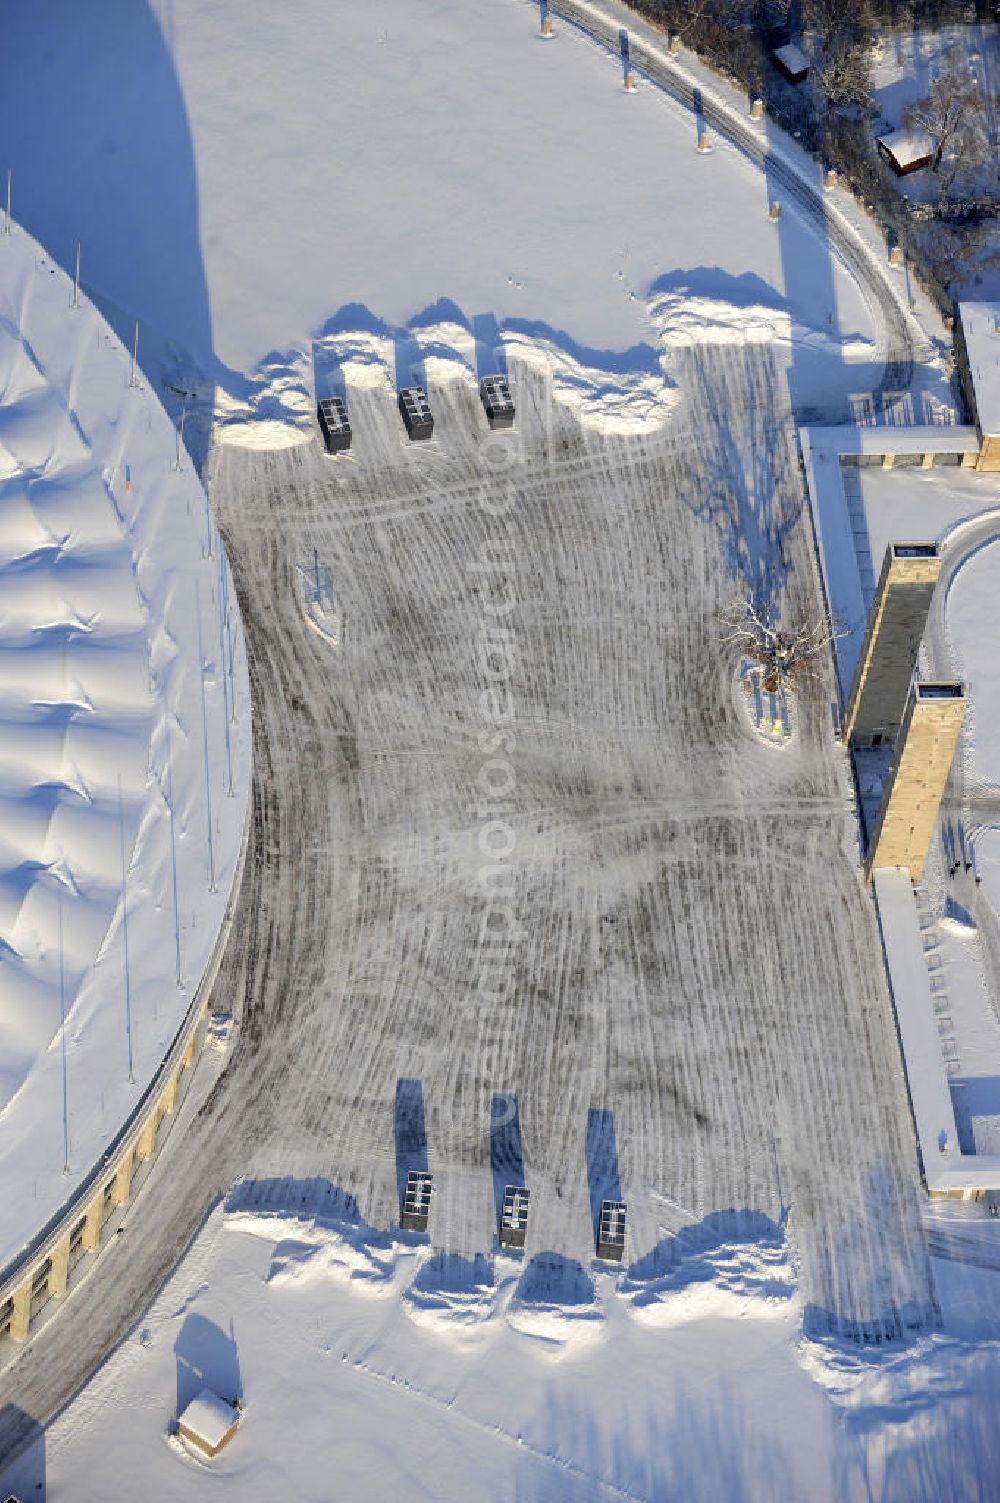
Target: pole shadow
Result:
[410, 1132]
[603, 1179]
[491, 356]
[328, 373]
[409, 359]
[506, 1152]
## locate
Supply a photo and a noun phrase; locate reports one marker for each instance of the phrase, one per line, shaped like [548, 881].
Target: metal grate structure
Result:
[494, 392]
[333, 421]
[416, 412]
[611, 1231]
[514, 1216]
[416, 1201]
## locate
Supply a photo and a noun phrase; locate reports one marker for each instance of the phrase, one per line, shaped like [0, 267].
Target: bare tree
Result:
[845, 74]
[836, 21]
[786, 653]
[954, 116]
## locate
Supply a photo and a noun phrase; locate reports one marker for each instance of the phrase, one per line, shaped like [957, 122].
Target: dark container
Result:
[416, 1201]
[514, 1216]
[416, 412]
[333, 421]
[494, 393]
[611, 1231]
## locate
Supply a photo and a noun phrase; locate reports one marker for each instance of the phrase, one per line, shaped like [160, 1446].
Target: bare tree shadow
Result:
[743, 480]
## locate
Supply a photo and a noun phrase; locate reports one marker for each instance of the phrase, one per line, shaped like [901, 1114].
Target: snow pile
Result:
[280, 410]
[549, 1299]
[683, 317]
[679, 1283]
[553, 231]
[274, 411]
[620, 401]
[313, 1249]
[719, 1408]
[454, 1296]
[125, 754]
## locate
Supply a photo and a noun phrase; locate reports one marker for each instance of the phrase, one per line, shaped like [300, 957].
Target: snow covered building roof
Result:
[946, 1169]
[977, 348]
[792, 61]
[208, 1422]
[906, 150]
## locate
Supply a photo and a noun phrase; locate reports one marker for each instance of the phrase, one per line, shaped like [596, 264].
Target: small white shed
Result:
[208, 1423]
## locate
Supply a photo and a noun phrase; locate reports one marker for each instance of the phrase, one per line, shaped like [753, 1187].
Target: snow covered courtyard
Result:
[398, 1371]
[361, 164]
[531, 897]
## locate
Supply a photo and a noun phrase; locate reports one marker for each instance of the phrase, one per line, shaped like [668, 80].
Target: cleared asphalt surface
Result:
[684, 994]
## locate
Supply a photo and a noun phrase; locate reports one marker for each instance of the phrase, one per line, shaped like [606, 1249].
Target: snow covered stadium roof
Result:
[124, 722]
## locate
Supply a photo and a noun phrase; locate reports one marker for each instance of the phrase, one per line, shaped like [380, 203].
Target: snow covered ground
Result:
[379, 1369]
[906, 63]
[125, 709]
[690, 1008]
[502, 183]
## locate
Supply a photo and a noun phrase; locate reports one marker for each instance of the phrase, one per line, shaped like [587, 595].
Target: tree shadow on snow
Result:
[667, 1442]
[743, 478]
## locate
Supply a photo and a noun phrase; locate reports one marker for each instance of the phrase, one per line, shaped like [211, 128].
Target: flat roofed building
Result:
[916, 781]
[977, 356]
[906, 151]
[896, 620]
[514, 1216]
[416, 1201]
[791, 61]
[611, 1230]
[494, 393]
[416, 412]
[208, 1423]
[333, 422]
